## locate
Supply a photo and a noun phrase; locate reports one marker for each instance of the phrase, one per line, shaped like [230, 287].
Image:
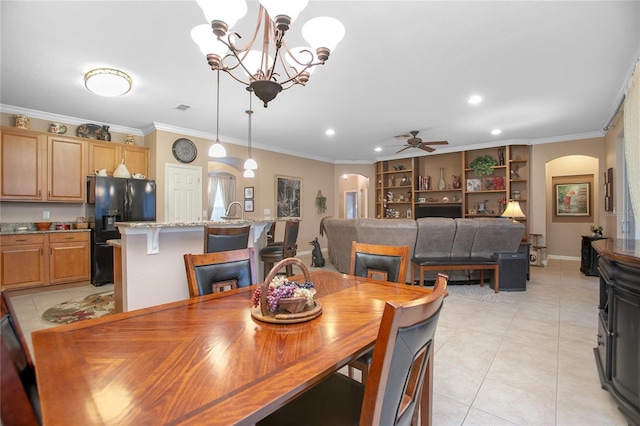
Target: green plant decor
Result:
[483, 165]
[321, 203]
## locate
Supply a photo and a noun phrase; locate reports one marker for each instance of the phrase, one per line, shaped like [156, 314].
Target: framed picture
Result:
[572, 199]
[474, 185]
[248, 205]
[248, 192]
[288, 201]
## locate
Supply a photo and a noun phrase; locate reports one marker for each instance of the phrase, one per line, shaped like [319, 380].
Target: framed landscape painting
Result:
[288, 201]
[572, 199]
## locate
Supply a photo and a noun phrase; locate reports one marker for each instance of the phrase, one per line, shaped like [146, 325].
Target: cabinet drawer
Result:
[11, 240]
[68, 237]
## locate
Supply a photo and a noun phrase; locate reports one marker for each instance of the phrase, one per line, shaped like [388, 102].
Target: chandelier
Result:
[264, 69]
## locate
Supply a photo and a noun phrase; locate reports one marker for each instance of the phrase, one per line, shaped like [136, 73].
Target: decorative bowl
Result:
[42, 226]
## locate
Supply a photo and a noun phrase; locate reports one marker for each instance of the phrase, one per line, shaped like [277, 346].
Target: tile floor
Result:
[515, 358]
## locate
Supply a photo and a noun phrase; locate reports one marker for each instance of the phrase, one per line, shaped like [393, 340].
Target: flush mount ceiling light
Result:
[475, 99]
[257, 68]
[107, 82]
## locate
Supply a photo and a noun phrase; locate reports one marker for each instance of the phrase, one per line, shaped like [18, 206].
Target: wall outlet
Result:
[46, 214]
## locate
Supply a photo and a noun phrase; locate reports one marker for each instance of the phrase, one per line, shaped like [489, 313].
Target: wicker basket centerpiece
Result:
[281, 300]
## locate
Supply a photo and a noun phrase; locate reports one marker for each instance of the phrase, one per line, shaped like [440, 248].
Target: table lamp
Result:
[513, 210]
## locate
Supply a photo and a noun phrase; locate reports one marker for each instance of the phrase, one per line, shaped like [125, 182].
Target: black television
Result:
[440, 210]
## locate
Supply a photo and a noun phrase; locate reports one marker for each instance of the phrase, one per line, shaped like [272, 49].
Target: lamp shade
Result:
[250, 164]
[107, 82]
[290, 8]
[227, 11]
[323, 31]
[248, 173]
[217, 150]
[207, 42]
[513, 210]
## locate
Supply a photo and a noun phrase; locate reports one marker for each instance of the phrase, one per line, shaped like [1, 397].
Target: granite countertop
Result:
[245, 221]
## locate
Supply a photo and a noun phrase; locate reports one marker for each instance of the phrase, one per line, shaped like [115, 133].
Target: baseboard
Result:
[555, 256]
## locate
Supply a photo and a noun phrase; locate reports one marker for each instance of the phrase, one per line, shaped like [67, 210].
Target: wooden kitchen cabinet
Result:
[22, 165]
[23, 260]
[69, 257]
[108, 155]
[38, 167]
[66, 169]
[102, 155]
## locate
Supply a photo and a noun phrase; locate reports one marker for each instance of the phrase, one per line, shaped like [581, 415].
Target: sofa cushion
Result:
[435, 237]
[496, 235]
[340, 233]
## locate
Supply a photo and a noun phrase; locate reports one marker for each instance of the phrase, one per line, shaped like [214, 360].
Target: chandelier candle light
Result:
[257, 68]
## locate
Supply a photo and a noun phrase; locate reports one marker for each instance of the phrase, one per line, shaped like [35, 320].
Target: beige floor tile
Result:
[477, 417]
[448, 411]
[456, 383]
[583, 404]
[516, 405]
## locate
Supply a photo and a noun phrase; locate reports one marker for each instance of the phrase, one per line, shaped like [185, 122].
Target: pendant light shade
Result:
[248, 173]
[217, 150]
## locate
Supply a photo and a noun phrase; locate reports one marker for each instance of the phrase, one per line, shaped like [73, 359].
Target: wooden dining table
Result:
[205, 360]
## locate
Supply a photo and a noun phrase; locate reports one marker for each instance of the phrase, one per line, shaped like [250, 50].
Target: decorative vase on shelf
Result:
[441, 184]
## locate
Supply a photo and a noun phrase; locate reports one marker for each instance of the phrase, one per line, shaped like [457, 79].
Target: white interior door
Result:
[183, 193]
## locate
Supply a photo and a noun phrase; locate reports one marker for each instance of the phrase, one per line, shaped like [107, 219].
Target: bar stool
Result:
[275, 252]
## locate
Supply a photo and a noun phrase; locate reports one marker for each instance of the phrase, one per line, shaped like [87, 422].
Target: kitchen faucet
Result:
[231, 204]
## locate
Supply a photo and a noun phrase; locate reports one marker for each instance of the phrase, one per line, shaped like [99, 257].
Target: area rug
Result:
[80, 309]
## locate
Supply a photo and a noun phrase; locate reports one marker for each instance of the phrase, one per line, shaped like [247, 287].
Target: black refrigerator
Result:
[112, 200]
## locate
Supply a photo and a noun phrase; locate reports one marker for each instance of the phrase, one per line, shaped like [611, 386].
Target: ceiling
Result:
[547, 71]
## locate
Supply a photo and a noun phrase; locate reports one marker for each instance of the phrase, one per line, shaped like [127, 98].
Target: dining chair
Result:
[219, 271]
[20, 403]
[225, 238]
[387, 263]
[277, 251]
[400, 381]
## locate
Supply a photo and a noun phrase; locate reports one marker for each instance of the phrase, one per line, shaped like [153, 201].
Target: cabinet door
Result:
[66, 172]
[69, 257]
[103, 156]
[23, 261]
[21, 165]
[136, 158]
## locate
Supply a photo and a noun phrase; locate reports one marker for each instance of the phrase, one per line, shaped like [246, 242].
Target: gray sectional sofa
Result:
[426, 237]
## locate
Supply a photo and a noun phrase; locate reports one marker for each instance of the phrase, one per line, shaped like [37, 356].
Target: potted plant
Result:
[321, 203]
[483, 165]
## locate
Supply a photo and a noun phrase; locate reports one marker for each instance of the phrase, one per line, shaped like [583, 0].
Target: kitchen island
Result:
[151, 258]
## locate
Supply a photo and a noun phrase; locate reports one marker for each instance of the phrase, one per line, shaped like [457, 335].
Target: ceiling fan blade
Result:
[426, 148]
[405, 136]
[406, 147]
[436, 143]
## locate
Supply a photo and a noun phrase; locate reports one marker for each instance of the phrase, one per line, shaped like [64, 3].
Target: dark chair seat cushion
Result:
[454, 261]
[338, 398]
[272, 249]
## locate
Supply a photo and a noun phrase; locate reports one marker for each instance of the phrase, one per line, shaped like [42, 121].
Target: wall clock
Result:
[184, 150]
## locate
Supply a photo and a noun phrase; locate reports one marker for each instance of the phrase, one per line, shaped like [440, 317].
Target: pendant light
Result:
[250, 165]
[217, 150]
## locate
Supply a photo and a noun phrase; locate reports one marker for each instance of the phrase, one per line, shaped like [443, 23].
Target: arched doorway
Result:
[354, 196]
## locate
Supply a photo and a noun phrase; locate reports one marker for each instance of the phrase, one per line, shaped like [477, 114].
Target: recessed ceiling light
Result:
[378, 149]
[496, 131]
[107, 82]
[330, 132]
[475, 99]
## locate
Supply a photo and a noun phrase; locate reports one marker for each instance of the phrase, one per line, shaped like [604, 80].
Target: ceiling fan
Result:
[413, 141]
